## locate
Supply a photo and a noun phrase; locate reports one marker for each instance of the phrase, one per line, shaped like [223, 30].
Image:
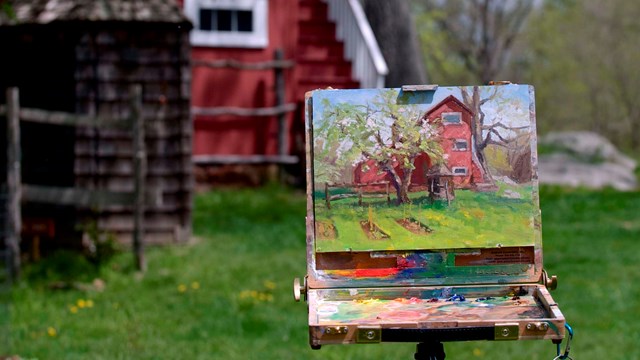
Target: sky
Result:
[512, 109]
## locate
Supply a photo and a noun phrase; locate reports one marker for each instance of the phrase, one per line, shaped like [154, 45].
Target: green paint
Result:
[473, 220]
[414, 310]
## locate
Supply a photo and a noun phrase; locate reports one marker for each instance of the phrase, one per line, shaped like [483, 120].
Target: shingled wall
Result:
[106, 46]
[107, 62]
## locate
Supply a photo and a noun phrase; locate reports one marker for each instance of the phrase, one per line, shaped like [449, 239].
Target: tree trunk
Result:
[477, 121]
[401, 185]
[404, 187]
[394, 28]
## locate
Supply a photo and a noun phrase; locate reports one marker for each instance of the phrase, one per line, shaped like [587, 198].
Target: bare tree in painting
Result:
[391, 135]
[488, 132]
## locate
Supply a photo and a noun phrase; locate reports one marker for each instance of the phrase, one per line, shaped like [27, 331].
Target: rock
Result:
[510, 194]
[584, 159]
[507, 180]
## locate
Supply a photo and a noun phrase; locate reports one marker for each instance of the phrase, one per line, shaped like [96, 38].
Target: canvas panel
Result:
[422, 188]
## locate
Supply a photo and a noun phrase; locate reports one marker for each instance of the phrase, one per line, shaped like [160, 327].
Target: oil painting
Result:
[453, 168]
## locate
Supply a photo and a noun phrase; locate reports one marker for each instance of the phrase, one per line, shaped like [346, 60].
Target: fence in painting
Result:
[378, 189]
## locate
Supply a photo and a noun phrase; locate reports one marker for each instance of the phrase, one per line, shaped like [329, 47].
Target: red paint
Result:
[368, 171]
[376, 272]
[303, 31]
[450, 133]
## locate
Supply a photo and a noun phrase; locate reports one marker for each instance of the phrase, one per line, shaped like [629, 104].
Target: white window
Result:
[228, 23]
[460, 145]
[451, 118]
[459, 170]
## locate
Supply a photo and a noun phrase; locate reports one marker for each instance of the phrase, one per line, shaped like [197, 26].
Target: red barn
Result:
[329, 43]
[454, 121]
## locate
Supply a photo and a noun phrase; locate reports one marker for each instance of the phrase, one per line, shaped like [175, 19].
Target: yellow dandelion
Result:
[269, 285]
[89, 303]
[182, 288]
[269, 297]
[244, 294]
[477, 352]
[81, 303]
[73, 309]
[195, 285]
[52, 332]
[253, 293]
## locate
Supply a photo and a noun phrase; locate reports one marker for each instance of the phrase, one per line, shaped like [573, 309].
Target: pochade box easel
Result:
[423, 222]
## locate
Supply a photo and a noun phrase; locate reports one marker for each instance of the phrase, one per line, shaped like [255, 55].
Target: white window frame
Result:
[452, 113]
[456, 141]
[258, 38]
[466, 171]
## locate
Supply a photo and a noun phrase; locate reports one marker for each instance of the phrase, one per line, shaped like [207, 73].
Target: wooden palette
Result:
[423, 221]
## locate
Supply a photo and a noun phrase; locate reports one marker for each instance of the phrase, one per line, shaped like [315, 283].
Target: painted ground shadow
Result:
[452, 168]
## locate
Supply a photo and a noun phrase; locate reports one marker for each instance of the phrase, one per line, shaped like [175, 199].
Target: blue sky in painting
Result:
[511, 107]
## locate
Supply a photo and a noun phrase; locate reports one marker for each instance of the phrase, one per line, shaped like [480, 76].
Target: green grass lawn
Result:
[228, 295]
[472, 220]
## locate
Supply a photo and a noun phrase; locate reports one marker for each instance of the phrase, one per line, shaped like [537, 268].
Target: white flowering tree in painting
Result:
[391, 135]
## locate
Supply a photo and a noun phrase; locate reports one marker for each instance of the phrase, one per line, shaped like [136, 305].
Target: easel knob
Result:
[299, 289]
[550, 283]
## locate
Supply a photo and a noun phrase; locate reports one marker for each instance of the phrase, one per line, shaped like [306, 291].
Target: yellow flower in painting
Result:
[182, 288]
[81, 303]
[52, 332]
[73, 309]
[89, 303]
[195, 285]
[269, 284]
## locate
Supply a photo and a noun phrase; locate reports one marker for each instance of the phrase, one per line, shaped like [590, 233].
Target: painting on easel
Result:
[446, 169]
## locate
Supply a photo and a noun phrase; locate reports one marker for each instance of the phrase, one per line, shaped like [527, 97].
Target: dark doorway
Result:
[40, 62]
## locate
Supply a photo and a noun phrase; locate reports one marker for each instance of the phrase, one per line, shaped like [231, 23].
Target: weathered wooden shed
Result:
[81, 56]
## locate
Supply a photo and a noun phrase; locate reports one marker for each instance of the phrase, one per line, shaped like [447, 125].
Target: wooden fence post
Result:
[327, 197]
[14, 183]
[388, 195]
[283, 131]
[140, 171]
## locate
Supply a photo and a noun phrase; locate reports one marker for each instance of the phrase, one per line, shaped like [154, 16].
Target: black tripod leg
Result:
[429, 351]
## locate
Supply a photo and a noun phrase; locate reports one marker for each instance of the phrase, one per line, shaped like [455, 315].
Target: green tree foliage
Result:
[391, 135]
[580, 55]
[470, 40]
[583, 58]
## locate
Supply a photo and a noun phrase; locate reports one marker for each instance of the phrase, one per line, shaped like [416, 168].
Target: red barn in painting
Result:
[454, 120]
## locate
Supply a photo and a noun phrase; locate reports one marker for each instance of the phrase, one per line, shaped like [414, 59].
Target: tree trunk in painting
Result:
[404, 187]
[392, 20]
[400, 184]
[474, 103]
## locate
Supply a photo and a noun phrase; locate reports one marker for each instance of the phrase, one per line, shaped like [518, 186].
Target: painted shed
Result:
[81, 56]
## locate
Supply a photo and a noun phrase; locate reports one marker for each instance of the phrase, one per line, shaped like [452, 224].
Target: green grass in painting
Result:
[473, 219]
[251, 244]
